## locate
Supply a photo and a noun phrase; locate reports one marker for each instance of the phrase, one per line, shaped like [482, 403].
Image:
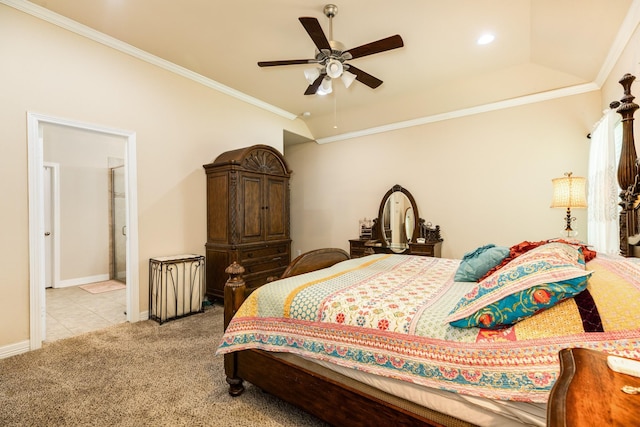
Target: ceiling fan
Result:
[332, 57]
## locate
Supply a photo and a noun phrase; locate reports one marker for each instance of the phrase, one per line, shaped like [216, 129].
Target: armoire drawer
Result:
[262, 252]
[265, 264]
[254, 281]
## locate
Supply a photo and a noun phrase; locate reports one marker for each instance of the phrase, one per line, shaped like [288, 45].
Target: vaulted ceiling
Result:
[539, 46]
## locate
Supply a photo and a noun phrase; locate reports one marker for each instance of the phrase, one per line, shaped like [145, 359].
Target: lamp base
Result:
[568, 232]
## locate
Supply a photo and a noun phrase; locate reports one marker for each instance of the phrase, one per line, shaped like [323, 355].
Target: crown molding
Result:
[500, 105]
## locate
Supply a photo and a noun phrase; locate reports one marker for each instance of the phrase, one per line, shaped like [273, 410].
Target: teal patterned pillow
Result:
[534, 281]
[475, 264]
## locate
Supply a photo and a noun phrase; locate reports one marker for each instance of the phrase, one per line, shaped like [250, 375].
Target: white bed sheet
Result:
[475, 410]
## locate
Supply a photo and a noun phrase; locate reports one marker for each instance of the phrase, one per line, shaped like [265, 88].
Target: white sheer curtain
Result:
[603, 190]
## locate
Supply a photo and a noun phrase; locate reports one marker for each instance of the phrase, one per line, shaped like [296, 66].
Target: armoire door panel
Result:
[217, 207]
[277, 221]
[252, 208]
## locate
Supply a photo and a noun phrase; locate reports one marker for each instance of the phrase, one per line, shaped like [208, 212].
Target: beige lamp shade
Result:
[569, 192]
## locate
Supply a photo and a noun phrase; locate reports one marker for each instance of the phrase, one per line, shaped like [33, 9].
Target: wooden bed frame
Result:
[629, 175]
[338, 404]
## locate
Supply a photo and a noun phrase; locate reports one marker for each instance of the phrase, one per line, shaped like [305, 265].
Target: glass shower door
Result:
[119, 221]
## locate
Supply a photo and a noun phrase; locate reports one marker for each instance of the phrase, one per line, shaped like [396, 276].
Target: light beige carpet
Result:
[141, 374]
[106, 286]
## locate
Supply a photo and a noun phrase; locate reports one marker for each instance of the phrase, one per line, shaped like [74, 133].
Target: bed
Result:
[402, 338]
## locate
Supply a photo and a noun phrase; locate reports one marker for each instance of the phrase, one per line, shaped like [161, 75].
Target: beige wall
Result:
[484, 178]
[180, 125]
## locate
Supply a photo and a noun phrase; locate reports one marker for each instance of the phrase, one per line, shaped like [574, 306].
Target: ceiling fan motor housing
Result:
[334, 68]
[330, 10]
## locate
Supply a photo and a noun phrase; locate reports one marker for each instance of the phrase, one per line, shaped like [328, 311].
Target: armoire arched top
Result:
[256, 158]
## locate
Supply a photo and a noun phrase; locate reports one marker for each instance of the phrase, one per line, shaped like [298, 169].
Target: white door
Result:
[48, 194]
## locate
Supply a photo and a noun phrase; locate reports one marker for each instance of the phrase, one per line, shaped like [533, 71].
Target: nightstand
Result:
[432, 249]
[588, 393]
[357, 248]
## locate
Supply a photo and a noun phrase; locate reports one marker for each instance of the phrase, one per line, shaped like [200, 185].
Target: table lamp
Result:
[569, 192]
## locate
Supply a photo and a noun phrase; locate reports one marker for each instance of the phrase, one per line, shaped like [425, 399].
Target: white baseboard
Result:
[14, 349]
[81, 281]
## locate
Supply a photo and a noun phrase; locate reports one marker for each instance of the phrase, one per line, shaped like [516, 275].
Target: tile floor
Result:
[73, 311]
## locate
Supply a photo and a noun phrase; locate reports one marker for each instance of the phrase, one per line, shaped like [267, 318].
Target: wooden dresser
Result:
[247, 216]
[397, 229]
[359, 248]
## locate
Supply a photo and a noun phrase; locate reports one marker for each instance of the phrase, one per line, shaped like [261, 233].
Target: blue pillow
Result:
[532, 282]
[477, 263]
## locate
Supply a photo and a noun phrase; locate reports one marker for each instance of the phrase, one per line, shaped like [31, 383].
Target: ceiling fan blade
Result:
[313, 87]
[315, 32]
[286, 62]
[382, 45]
[365, 78]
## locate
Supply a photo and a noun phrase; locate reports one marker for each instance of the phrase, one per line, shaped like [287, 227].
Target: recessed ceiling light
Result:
[486, 38]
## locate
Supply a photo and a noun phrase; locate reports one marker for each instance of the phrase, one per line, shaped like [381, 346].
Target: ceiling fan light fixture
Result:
[311, 74]
[348, 78]
[326, 87]
[334, 68]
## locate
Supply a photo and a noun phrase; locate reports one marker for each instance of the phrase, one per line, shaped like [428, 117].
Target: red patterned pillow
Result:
[525, 246]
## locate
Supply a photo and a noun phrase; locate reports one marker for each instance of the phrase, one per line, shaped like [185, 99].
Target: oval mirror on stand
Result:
[398, 219]
[409, 223]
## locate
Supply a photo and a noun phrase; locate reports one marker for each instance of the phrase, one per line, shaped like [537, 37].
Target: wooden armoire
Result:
[247, 216]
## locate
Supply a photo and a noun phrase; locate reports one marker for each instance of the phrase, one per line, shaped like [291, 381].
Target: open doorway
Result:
[85, 219]
[38, 125]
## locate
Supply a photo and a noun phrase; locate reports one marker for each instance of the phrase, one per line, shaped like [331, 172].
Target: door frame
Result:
[35, 142]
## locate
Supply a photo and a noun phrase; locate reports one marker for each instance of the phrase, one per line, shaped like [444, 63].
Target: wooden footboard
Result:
[321, 395]
[235, 293]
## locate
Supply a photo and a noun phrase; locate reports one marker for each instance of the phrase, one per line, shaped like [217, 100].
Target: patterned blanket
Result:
[384, 314]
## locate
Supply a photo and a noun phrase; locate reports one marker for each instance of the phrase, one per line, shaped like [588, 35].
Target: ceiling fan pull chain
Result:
[335, 110]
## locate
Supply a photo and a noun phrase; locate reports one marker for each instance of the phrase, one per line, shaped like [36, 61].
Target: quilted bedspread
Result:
[384, 314]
